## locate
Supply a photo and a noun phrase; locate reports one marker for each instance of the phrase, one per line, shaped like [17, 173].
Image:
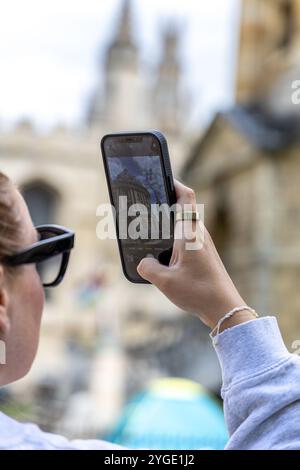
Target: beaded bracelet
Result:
[229, 315]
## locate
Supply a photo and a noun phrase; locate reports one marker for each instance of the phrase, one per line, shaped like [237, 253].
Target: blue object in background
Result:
[172, 414]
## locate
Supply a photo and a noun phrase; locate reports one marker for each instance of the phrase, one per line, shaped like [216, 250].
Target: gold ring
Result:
[187, 215]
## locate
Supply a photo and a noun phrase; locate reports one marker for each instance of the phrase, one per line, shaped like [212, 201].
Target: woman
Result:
[260, 378]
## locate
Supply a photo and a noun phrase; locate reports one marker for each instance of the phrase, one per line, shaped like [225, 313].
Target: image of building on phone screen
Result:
[141, 181]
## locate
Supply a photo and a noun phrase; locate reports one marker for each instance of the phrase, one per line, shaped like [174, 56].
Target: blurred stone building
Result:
[102, 337]
[246, 166]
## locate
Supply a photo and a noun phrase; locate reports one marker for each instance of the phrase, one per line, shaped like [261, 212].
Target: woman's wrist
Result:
[224, 302]
[239, 318]
[219, 306]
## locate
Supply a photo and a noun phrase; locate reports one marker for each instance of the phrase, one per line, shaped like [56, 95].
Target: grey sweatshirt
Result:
[261, 387]
[261, 391]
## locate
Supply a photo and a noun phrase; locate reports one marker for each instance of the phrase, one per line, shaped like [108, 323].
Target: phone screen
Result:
[137, 180]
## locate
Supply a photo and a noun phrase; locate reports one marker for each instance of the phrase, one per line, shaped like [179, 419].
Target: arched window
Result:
[42, 201]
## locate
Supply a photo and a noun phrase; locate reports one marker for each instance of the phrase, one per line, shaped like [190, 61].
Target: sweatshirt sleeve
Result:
[261, 387]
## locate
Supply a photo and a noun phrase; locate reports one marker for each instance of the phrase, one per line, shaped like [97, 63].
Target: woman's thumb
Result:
[151, 270]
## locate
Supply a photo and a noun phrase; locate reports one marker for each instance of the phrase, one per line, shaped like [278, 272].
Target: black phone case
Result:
[168, 175]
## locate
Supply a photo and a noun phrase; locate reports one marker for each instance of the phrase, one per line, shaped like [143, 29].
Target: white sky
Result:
[49, 51]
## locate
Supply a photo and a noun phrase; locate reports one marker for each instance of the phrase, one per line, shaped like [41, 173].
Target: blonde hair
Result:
[10, 224]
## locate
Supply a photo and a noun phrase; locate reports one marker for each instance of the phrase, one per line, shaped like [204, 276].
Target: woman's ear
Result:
[4, 318]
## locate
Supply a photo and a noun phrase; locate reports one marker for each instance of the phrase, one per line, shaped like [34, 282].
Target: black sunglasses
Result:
[50, 254]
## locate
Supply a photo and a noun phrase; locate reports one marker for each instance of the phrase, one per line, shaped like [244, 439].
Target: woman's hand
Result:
[196, 280]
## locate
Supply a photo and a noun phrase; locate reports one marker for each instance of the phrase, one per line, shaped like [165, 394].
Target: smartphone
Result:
[138, 170]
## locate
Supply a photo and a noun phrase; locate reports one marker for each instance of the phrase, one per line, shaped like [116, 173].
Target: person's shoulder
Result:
[11, 432]
[16, 435]
[27, 436]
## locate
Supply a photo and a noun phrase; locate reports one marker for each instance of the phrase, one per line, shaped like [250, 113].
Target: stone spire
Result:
[124, 37]
[120, 64]
[122, 50]
[166, 91]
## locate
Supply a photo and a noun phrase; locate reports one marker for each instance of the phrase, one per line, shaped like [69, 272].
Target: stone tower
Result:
[120, 105]
[268, 53]
[166, 100]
